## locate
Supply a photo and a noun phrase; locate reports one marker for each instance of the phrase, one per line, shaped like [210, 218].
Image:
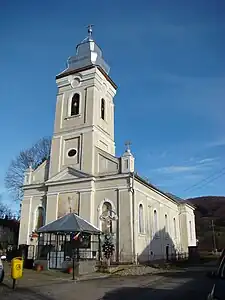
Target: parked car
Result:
[1, 271]
[218, 289]
[221, 256]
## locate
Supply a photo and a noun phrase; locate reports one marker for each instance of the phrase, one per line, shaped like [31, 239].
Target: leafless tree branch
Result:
[33, 157]
[4, 210]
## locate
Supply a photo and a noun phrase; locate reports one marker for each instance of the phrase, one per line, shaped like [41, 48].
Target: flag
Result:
[76, 236]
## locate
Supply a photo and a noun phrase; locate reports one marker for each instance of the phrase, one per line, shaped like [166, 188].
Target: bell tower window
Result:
[75, 105]
[102, 109]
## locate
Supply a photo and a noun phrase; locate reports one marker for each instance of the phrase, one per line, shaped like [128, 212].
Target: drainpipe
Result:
[133, 222]
[117, 227]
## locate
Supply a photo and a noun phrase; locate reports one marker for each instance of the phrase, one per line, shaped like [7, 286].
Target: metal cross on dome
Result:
[127, 144]
[90, 30]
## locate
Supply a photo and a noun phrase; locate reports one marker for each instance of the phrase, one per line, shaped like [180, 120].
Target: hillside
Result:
[208, 209]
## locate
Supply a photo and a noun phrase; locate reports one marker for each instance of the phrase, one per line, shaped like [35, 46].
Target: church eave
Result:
[188, 203]
[139, 178]
[74, 71]
[69, 181]
[33, 186]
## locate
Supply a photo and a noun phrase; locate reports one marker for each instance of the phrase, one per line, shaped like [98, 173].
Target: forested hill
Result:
[208, 209]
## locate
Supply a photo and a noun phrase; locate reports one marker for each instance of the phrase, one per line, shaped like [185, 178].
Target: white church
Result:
[84, 176]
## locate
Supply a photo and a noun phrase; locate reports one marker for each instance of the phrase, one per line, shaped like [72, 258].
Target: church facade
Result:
[84, 176]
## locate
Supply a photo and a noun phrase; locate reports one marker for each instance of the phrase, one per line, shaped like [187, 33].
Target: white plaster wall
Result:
[150, 244]
[93, 131]
[25, 220]
[191, 235]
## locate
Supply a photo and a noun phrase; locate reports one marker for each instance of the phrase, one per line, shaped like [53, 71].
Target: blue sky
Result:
[167, 58]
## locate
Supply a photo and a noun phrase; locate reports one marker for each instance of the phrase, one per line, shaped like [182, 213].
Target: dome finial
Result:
[127, 144]
[90, 30]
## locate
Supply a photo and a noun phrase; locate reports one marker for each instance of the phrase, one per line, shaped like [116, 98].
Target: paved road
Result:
[171, 286]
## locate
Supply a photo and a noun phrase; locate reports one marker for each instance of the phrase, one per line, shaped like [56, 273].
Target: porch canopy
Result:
[69, 223]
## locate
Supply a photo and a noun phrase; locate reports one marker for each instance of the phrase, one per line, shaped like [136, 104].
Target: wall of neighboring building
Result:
[160, 229]
[8, 232]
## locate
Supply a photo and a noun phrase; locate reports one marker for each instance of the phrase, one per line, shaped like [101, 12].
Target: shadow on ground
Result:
[20, 293]
[169, 285]
[185, 285]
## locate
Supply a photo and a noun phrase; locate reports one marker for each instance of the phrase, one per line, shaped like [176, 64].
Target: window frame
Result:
[37, 216]
[155, 224]
[69, 105]
[175, 228]
[190, 230]
[166, 226]
[103, 109]
[141, 225]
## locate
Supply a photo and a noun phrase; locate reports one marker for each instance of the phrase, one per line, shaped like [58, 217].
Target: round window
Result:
[72, 152]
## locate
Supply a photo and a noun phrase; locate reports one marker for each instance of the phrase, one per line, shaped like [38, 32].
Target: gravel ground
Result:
[140, 270]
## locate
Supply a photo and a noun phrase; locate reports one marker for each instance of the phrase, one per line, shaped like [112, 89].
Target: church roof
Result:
[176, 199]
[88, 54]
[69, 223]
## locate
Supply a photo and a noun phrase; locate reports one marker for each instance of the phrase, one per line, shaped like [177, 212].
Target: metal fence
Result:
[57, 249]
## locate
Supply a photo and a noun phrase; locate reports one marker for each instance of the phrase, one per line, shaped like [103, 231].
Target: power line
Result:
[207, 180]
[220, 175]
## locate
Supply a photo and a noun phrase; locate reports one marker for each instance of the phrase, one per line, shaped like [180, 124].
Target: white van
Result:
[1, 271]
[218, 290]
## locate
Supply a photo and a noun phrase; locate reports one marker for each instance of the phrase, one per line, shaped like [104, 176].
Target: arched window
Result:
[166, 225]
[103, 109]
[141, 218]
[175, 228]
[107, 211]
[40, 216]
[75, 105]
[190, 229]
[155, 222]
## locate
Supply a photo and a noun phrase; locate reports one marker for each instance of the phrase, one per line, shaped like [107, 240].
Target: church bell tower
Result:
[84, 117]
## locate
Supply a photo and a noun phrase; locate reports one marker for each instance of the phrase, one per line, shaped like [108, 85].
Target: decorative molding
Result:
[73, 132]
[87, 190]
[78, 175]
[121, 188]
[76, 82]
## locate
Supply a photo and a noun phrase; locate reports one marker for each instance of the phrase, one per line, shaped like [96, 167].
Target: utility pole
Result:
[214, 237]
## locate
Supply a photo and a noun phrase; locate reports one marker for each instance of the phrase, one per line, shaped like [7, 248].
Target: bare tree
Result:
[33, 157]
[4, 210]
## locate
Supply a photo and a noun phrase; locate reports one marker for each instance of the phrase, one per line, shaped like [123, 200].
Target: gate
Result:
[55, 259]
[31, 252]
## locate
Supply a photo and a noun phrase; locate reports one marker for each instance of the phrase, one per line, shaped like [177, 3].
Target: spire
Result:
[127, 151]
[88, 53]
[127, 159]
[89, 27]
[128, 144]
